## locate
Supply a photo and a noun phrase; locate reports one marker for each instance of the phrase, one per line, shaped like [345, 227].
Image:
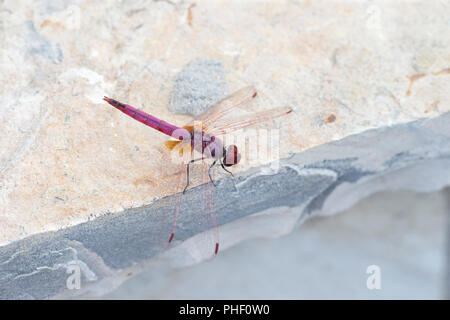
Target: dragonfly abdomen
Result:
[143, 117]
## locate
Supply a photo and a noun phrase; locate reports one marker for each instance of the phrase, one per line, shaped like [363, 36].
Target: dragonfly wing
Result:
[212, 230]
[224, 107]
[201, 225]
[221, 109]
[234, 124]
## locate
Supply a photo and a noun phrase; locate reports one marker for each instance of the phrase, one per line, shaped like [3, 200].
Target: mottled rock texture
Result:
[67, 158]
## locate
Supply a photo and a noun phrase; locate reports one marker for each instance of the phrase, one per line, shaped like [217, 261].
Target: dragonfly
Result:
[202, 135]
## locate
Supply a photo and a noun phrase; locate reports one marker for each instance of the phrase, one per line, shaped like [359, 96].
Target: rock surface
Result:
[403, 233]
[323, 180]
[70, 162]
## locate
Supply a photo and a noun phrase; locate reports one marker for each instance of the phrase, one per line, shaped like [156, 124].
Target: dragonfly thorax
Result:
[209, 145]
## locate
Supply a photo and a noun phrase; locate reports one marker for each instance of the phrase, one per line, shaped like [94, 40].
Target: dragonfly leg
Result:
[209, 172]
[223, 167]
[187, 172]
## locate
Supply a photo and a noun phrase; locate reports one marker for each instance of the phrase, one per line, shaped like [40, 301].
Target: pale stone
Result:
[66, 157]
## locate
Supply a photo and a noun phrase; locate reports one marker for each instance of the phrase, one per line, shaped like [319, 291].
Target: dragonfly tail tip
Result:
[216, 249]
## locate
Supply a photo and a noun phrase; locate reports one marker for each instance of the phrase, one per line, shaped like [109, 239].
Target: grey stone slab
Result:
[448, 244]
[403, 233]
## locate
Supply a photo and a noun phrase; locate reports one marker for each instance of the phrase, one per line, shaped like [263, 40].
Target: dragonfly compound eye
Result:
[232, 156]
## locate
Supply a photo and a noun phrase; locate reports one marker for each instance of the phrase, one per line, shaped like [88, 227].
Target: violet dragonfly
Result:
[204, 138]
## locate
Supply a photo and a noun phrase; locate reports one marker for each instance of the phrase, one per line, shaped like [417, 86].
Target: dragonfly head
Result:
[231, 156]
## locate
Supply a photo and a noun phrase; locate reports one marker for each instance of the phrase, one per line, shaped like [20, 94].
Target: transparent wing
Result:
[226, 116]
[199, 227]
[229, 125]
[227, 105]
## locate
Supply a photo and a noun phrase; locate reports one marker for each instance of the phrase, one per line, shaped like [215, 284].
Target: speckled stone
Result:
[67, 158]
[197, 87]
